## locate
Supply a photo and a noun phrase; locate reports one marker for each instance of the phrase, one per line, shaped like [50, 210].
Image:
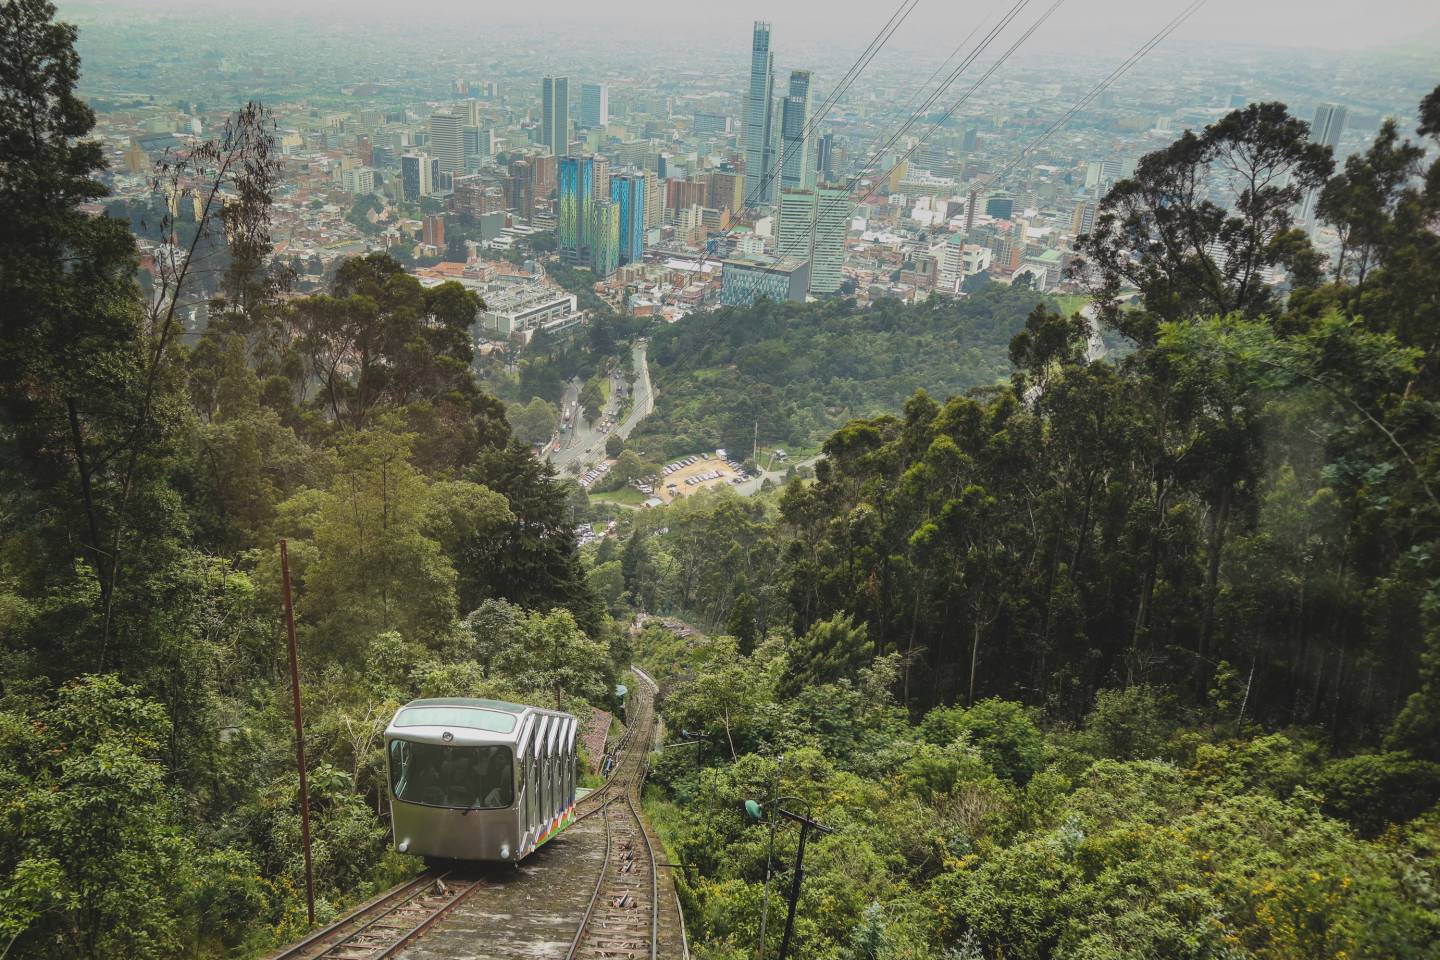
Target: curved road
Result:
[585, 444]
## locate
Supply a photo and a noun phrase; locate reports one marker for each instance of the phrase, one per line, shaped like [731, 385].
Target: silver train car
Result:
[479, 779]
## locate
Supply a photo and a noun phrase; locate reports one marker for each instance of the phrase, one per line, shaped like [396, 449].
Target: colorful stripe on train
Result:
[557, 824]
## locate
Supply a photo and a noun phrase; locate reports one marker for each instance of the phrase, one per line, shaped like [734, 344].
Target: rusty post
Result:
[299, 734]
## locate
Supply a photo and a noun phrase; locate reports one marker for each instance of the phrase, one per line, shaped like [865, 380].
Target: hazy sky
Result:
[1330, 24]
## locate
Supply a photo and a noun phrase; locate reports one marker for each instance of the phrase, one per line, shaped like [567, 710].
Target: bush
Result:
[1373, 790]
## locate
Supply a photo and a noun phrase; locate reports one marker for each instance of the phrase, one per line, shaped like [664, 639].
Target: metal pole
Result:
[770, 853]
[299, 735]
[795, 888]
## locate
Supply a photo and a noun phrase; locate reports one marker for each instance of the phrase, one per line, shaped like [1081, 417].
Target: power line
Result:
[980, 48]
[1159, 37]
[842, 86]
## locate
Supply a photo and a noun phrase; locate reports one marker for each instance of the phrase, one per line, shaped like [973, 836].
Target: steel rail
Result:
[313, 939]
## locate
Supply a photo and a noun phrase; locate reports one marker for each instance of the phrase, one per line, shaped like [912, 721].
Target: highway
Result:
[586, 444]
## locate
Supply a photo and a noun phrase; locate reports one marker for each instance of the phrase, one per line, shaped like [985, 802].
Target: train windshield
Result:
[445, 776]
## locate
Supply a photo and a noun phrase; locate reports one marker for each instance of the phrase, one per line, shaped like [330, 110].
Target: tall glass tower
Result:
[576, 177]
[759, 112]
[797, 170]
[555, 114]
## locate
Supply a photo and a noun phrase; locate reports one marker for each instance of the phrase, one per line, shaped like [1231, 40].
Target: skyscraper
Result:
[594, 105]
[796, 169]
[628, 192]
[603, 236]
[415, 181]
[832, 222]
[576, 179]
[654, 200]
[447, 142]
[825, 157]
[1329, 124]
[812, 226]
[555, 114]
[759, 108]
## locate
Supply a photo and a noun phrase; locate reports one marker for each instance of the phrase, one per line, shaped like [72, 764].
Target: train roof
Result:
[469, 702]
[468, 720]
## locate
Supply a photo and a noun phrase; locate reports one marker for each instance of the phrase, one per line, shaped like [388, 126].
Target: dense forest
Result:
[1117, 659]
[1131, 658]
[147, 779]
[794, 372]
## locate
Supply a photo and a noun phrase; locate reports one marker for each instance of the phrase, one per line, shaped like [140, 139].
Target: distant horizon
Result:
[1078, 27]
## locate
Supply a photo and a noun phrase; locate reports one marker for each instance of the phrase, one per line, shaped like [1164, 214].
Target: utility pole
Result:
[755, 452]
[299, 735]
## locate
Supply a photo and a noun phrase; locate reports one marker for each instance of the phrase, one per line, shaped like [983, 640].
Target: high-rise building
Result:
[628, 192]
[555, 114]
[812, 226]
[432, 230]
[832, 222]
[479, 141]
[602, 233]
[726, 191]
[1329, 124]
[746, 279]
[520, 189]
[794, 232]
[825, 158]
[542, 172]
[759, 110]
[654, 200]
[1083, 219]
[572, 208]
[594, 105]
[797, 170]
[415, 177]
[711, 125]
[447, 142]
[600, 172]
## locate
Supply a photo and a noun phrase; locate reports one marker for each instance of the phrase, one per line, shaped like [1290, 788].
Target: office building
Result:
[360, 181]
[832, 223]
[594, 105]
[542, 172]
[812, 226]
[1082, 221]
[520, 189]
[479, 141]
[758, 121]
[447, 142]
[711, 125]
[825, 158]
[654, 200]
[416, 179]
[602, 233]
[1001, 206]
[572, 207]
[726, 191]
[555, 114]
[797, 170]
[599, 177]
[432, 230]
[628, 192]
[746, 279]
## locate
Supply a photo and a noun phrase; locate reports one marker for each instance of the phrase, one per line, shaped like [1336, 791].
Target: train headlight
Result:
[403, 845]
[504, 851]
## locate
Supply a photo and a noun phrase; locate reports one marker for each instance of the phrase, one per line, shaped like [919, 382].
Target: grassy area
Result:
[1071, 302]
[625, 497]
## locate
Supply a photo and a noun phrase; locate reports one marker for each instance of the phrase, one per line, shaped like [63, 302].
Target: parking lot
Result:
[689, 474]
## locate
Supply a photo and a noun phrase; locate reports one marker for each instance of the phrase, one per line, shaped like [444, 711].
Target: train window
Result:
[471, 718]
[441, 776]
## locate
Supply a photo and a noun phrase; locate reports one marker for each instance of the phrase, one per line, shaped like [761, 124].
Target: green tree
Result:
[533, 422]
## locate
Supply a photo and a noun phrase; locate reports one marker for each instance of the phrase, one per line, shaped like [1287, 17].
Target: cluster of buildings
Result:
[681, 186]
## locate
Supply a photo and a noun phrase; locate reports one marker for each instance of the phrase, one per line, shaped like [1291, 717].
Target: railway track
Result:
[385, 925]
[623, 916]
[622, 919]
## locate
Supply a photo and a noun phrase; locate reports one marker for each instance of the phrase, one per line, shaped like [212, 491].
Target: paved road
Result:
[585, 444]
